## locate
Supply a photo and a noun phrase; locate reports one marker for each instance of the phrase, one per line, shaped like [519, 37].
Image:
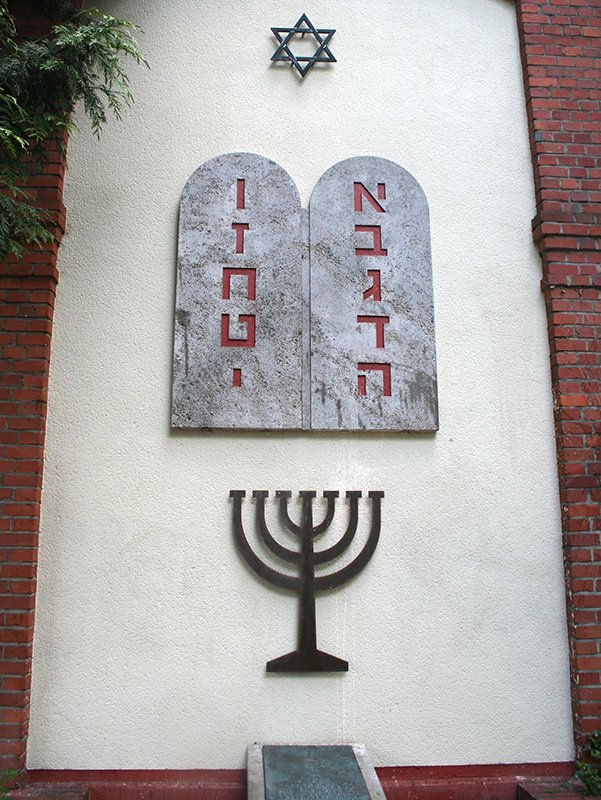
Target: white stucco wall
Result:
[151, 635]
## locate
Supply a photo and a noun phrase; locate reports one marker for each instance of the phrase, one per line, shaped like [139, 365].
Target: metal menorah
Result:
[306, 658]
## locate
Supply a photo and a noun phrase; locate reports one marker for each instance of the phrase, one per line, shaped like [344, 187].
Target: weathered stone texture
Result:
[238, 358]
[373, 363]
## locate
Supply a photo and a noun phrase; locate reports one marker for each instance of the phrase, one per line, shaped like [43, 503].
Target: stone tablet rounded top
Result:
[369, 171]
[226, 167]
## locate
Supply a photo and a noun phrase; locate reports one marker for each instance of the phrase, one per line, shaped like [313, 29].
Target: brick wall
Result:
[561, 55]
[27, 291]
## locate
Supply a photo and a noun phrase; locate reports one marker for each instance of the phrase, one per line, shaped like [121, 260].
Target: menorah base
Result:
[307, 661]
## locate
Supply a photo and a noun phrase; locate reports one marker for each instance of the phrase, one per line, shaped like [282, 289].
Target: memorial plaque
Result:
[311, 772]
[238, 321]
[373, 362]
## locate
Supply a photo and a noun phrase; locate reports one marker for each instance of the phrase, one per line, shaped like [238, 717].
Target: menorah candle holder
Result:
[306, 658]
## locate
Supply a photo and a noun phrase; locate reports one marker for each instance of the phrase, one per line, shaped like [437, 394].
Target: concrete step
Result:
[558, 789]
[51, 791]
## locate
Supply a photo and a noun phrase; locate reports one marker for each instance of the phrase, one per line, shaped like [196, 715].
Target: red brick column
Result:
[561, 56]
[27, 291]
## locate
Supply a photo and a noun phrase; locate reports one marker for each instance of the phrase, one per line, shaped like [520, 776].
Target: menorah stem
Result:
[307, 640]
[307, 658]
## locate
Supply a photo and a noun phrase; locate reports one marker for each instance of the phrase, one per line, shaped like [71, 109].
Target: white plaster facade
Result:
[151, 635]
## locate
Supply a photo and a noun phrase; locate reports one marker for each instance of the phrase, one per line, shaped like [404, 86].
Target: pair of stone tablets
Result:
[318, 320]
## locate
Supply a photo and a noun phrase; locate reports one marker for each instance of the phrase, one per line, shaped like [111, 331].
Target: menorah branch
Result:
[323, 556]
[360, 562]
[290, 556]
[283, 497]
[253, 561]
[331, 498]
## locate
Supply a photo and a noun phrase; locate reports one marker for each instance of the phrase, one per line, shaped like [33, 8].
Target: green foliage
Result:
[21, 223]
[593, 745]
[6, 776]
[589, 775]
[40, 83]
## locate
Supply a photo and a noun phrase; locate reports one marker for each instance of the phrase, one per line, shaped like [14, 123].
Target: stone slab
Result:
[373, 362]
[311, 772]
[239, 301]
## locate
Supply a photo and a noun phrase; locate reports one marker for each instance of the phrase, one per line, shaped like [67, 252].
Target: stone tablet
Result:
[311, 772]
[373, 362]
[238, 319]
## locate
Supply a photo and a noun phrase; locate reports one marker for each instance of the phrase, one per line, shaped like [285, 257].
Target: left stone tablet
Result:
[237, 357]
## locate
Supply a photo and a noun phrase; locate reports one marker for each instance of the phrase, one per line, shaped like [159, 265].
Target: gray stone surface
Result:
[255, 777]
[311, 772]
[387, 234]
[314, 773]
[212, 240]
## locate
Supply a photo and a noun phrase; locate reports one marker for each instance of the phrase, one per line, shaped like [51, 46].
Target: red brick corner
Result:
[561, 57]
[27, 292]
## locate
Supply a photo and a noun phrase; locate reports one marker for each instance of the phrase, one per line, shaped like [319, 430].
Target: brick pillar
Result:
[561, 57]
[27, 291]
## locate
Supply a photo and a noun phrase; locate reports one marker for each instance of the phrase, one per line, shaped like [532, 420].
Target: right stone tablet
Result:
[373, 358]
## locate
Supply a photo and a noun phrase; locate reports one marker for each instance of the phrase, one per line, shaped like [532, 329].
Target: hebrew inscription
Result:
[238, 349]
[373, 362]
[255, 348]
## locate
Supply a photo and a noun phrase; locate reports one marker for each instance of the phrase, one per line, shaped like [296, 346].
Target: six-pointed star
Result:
[304, 26]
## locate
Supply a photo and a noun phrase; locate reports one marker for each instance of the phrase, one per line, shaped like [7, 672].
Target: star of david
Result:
[322, 36]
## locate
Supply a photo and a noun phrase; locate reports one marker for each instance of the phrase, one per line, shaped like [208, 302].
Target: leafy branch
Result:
[41, 81]
[589, 773]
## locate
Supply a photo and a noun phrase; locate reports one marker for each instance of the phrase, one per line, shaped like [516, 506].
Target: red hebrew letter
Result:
[251, 281]
[377, 249]
[227, 341]
[379, 322]
[237, 377]
[386, 381]
[360, 192]
[240, 187]
[374, 292]
[240, 228]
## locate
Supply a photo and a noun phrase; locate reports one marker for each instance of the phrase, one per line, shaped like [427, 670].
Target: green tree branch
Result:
[40, 83]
